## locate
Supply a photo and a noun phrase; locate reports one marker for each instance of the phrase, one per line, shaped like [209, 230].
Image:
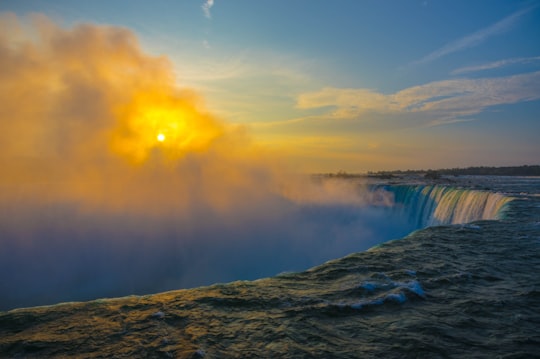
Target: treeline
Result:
[495, 171]
[469, 171]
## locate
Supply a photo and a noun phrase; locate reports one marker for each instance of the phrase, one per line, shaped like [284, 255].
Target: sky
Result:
[349, 85]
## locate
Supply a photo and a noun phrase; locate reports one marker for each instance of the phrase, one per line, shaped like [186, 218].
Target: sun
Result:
[167, 123]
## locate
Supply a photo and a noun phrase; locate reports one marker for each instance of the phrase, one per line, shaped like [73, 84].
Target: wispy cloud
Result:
[206, 8]
[475, 38]
[446, 121]
[442, 102]
[496, 64]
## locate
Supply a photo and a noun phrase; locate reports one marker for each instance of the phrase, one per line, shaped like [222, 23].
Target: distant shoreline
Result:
[524, 170]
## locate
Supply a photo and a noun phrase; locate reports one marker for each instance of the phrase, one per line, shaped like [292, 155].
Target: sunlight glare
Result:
[165, 117]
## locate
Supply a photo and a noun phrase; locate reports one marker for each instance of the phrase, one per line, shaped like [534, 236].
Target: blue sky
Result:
[350, 85]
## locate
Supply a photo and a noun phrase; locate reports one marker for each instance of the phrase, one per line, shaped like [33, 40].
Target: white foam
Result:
[369, 286]
[158, 315]
[415, 287]
[396, 297]
[472, 226]
[398, 293]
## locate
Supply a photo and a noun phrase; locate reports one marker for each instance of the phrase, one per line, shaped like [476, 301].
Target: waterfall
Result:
[431, 205]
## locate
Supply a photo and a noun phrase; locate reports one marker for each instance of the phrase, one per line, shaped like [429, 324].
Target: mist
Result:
[116, 180]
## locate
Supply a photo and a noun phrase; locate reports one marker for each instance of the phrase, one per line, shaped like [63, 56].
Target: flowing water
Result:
[465, 286]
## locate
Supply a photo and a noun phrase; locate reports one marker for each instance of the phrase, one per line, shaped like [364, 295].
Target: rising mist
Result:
[93, 204]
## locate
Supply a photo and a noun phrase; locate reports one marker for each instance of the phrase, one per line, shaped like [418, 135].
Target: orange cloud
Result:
[94, 80]
[81, 111]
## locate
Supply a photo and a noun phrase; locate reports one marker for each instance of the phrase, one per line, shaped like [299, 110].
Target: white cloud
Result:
[443, 102]
[475, 38]
[206, 8]
[349, 100]
[496, 64]
[447, 121]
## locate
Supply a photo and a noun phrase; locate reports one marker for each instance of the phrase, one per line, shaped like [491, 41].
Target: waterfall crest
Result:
[431, 205]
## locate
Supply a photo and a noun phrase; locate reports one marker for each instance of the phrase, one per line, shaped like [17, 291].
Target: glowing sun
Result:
[161, 137]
